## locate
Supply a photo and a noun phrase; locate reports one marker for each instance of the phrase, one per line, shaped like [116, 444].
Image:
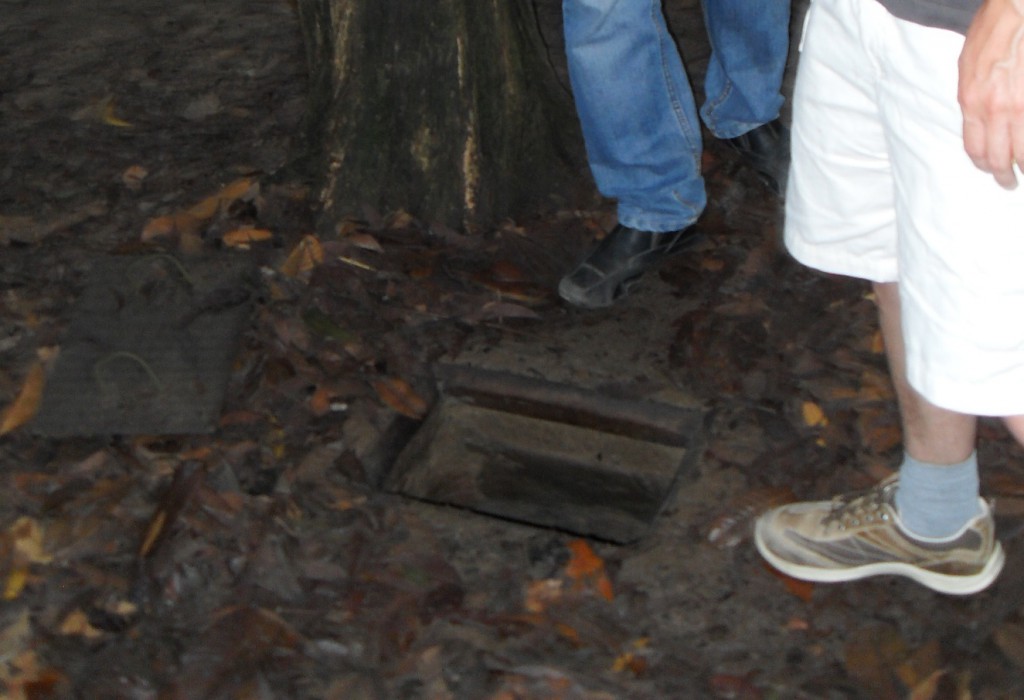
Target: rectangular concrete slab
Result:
[550, 464]
[149, 346]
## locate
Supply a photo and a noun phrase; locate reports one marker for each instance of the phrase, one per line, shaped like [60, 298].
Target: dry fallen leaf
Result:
[500, 310]
[401, 219]
[15, 583]
[102, 110]
[321, 400]
[77, 624]
[583, 562]
[928, 688]
[306, 255]
[396, 393]
[27, 535]
[244, 237]
[190, 222]
[178, 224]
[877, 343]
[523, 292]
[112, 119]
[813, 415]
[243, 188]
[133, 176]
[365, 241]
[633, 660]
[541, 594]
[585, 567]
[27, 403]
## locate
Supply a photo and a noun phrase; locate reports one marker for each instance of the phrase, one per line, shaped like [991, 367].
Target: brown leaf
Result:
[813, 416]
[877, 342]
[365, 241]
[133, 176]
[541, 594]
[519, 291]
[305, 256]
[583, 561]
[320, 401]
[170, 226]
[500, 310]
[586, 568]
[26, 404]
[186, 476]
[244, 237]
[16, 580]
[108, 115]
[77, 624]
[397, 394]
[401, 219]
[242, 188]
[27, 536]
[927, 688]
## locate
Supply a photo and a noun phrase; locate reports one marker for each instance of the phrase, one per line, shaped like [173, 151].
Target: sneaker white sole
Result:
[943, 583]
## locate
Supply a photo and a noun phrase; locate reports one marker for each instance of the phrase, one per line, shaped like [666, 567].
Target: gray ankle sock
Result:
[936, 500]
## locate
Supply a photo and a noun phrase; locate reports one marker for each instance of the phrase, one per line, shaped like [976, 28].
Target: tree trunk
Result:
[448, 109]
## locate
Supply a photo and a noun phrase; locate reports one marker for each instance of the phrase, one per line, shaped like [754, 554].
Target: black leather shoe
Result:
[765, 149]
[617, 261]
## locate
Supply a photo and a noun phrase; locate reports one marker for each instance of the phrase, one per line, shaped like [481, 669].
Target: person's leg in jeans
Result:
[743, 84]
[749, 46]
[636, 111]
[642, 136]
[642, 131]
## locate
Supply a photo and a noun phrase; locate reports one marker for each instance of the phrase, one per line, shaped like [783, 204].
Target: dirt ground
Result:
[259, 560]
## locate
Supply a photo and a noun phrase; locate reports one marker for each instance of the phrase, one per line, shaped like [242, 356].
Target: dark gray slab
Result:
[544, 463]
[149, 346]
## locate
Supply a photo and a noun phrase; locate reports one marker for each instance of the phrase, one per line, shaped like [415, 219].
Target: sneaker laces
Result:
[862, 507]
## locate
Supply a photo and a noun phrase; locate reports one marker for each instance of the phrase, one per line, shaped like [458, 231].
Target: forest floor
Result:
[259, 558]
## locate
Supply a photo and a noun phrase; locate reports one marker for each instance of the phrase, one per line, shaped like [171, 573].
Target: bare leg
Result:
[930, 434]
[1016, 426]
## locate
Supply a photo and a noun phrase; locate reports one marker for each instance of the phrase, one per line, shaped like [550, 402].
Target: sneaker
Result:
[860, 535]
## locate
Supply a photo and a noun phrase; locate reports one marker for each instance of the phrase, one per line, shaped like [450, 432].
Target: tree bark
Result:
[448, 109]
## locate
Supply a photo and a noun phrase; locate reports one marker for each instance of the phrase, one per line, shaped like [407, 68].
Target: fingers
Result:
[995, 144]
[1001, 154]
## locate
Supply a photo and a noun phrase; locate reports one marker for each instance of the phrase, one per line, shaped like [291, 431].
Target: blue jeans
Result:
[636, 107]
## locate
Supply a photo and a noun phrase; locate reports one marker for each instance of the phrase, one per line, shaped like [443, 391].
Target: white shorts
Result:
[881, 188]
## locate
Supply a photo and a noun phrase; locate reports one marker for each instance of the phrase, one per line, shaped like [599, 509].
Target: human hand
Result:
[991, 92]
